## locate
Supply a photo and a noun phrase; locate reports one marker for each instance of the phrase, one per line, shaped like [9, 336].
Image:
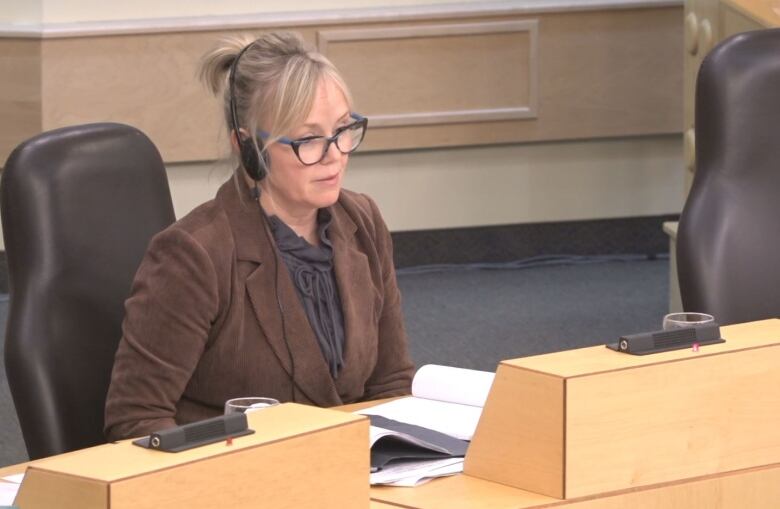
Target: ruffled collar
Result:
[291, 243]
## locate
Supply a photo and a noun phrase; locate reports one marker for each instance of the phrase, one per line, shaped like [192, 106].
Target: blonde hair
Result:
[275, 81]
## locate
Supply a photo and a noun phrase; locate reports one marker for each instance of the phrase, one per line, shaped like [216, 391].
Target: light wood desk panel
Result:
[631, 421]
[299, 456]
[757, 488]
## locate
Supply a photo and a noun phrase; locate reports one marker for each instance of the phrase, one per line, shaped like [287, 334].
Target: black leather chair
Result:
[728, 245]
[79, 206]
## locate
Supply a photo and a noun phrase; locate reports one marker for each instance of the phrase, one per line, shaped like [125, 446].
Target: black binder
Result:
[392, 448]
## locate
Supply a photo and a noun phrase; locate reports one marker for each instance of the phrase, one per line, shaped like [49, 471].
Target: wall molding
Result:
[320, 17]
[326, 37]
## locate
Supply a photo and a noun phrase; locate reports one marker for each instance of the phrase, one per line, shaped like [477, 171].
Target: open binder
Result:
[404, 442]
[426, 435]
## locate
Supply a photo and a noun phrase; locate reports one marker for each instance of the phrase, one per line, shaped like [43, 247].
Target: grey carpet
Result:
[474, 319]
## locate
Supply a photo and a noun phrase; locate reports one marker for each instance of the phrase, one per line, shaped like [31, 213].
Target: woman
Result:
[283, 285]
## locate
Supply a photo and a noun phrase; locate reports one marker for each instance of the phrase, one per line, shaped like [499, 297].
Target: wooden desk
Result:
[292, 445]
[756, 487]
[464, 492]
[725, 463]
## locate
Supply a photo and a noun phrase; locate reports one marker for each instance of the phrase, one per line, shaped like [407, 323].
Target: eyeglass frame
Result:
[295, 144]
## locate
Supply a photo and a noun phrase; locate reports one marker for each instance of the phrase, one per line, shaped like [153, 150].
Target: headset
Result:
[254, 160]
[256, 163]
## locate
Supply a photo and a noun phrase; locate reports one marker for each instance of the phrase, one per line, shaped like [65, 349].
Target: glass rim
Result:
[233, 402]
[684, 317]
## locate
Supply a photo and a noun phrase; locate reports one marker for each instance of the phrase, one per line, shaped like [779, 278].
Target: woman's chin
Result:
[327, 198]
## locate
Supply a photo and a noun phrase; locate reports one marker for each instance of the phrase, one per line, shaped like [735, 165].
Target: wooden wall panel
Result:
[149, 81]
[593, 74]
[20, 92]
[429, 82]
[439, 74]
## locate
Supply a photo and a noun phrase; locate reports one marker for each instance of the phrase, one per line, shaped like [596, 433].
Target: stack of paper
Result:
[445, 401]
[413, 473]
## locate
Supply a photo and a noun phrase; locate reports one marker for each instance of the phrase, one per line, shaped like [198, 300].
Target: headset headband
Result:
[231, 91]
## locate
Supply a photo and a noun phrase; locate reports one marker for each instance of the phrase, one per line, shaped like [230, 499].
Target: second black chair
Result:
[728, 241]
[79, 206]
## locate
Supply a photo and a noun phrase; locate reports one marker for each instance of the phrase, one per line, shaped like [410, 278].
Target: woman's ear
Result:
[234, 139]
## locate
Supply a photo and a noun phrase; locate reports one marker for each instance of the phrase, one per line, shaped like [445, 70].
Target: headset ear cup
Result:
[256, 168]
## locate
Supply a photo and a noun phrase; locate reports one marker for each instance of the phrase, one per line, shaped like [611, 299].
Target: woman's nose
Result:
[332, 153]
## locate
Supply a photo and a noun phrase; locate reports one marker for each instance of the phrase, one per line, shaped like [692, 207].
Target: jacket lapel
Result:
[353, 279]
[311, 373]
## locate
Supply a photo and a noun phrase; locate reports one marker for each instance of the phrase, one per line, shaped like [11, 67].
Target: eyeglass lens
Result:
[312, 151]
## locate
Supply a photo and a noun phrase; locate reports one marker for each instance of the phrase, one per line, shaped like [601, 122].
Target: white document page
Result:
[444, 399]
[412, 473]
[8, 492]
[15, 478]
[459, 421]
[453, 385]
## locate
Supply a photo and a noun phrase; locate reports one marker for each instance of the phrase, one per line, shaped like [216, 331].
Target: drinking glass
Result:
[247, 405]
[679, 320]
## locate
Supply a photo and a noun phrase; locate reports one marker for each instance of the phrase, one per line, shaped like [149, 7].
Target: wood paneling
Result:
[762, 13]
[431, 82]
[438, 74]
[734, 20]
[148, 81]
[707, 22]
[20, 92]
[593, 68]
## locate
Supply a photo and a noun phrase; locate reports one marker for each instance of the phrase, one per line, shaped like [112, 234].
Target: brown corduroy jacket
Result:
[203, 325]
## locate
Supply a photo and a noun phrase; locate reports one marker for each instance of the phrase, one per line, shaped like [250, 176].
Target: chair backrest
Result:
[79, 206]
[728, 243]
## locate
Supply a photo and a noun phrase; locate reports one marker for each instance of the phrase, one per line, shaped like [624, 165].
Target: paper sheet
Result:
[459, 421]
[15, 478]
[413, 473]
[445, 399]
[454, 385]
[8, 492]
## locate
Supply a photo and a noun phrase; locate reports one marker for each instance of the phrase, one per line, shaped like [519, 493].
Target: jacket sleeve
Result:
[173, 302]
[394, 369]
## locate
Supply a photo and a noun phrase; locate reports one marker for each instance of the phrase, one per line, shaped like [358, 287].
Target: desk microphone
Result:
[196, 434]
[665, 340]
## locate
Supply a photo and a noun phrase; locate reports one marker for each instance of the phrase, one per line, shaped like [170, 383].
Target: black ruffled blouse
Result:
[311, 269]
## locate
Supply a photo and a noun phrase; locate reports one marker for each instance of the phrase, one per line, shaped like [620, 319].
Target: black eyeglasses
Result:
[312, 149]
